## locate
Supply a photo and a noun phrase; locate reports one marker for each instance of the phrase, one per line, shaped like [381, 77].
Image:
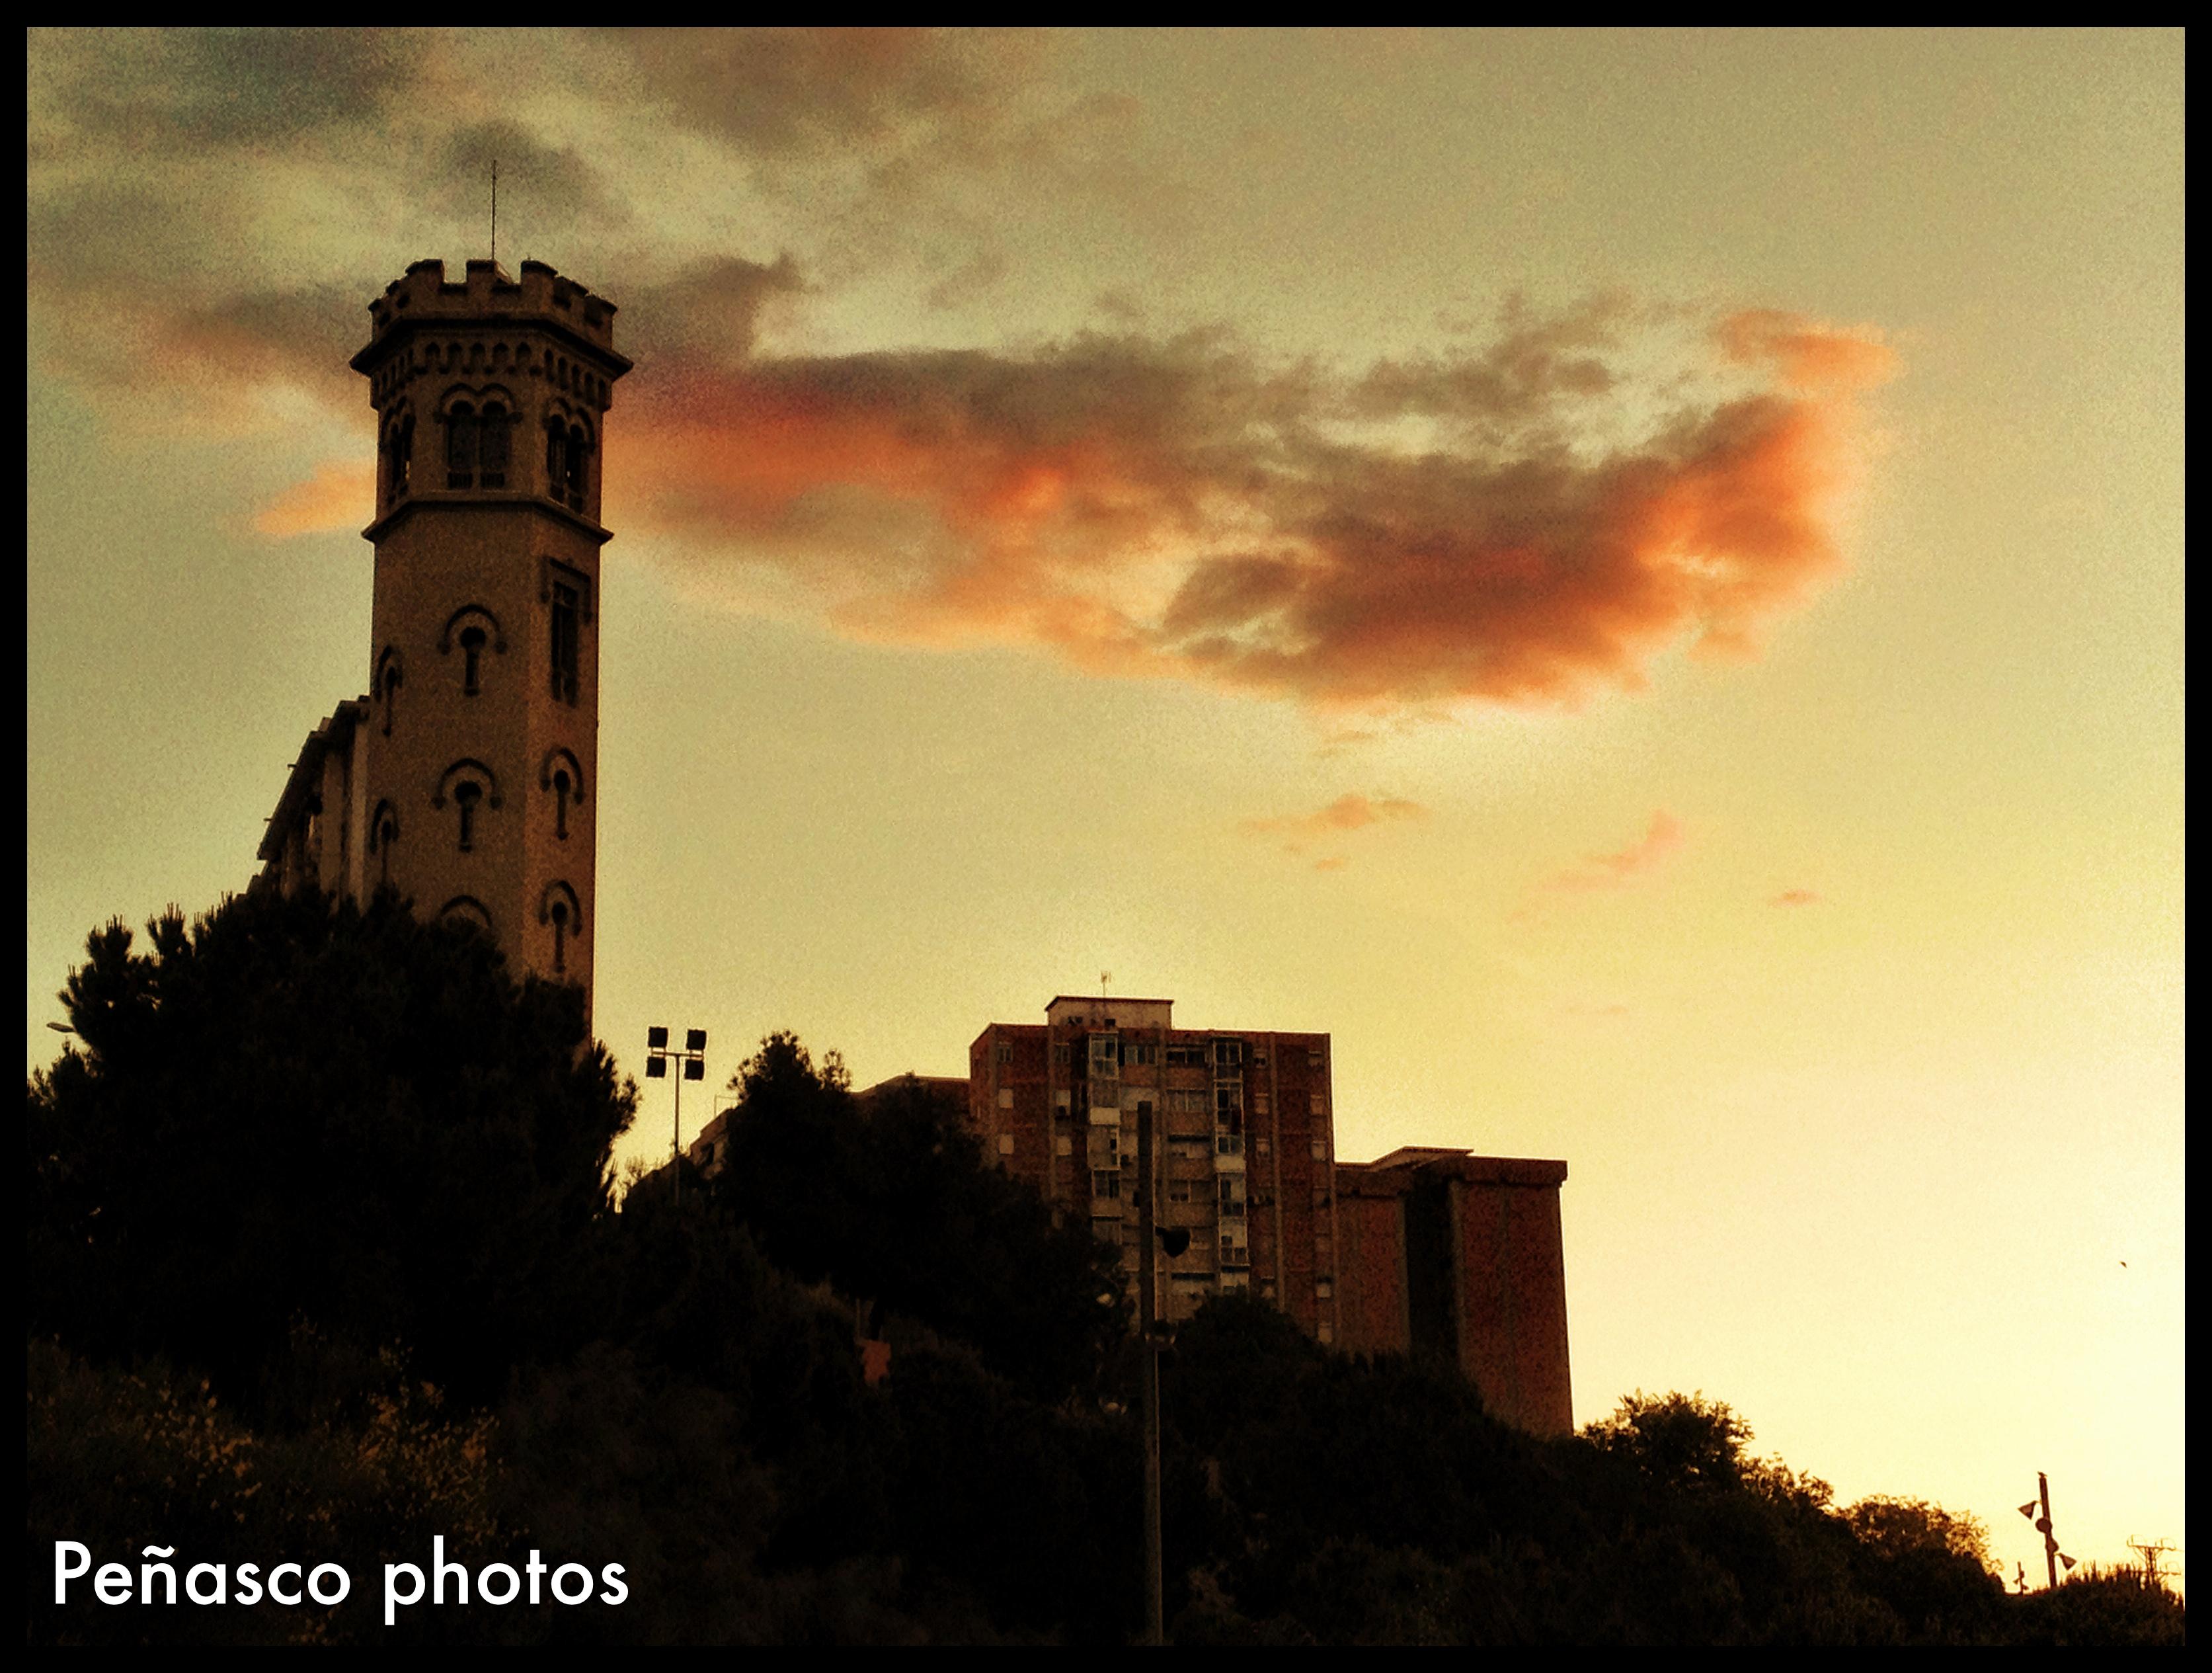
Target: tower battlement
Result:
[489, 295]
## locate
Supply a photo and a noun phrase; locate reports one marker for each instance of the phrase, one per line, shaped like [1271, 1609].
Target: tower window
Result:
[460, 446]
[399, 461]
[472, 644]
[465, 797]
[561, 790]
[383, 832]
[557, 458]
[565, 641]
[578, 445]
[388, 681]
[492, 446]
[558, 908]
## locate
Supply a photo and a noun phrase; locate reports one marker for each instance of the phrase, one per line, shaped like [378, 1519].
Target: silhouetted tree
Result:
[289, 1112]
[1929, 1565]
[895, 1205]
[1678, 1440]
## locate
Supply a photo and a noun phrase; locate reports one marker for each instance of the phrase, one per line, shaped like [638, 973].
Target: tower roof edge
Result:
[539, 296]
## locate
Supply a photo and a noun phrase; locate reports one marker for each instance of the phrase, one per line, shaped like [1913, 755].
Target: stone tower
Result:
[468, 777]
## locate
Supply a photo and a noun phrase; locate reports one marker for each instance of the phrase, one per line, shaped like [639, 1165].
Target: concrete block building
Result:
[1459, 1256]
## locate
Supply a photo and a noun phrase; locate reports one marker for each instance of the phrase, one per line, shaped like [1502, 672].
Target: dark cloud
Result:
[545, 191]
[164, 89]
[800, 92]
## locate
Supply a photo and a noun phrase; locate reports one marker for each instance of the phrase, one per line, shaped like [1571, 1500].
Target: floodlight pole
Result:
[661, 1058]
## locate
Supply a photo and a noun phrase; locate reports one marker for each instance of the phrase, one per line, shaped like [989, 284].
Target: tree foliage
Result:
[288, 1112]
[895, 1206]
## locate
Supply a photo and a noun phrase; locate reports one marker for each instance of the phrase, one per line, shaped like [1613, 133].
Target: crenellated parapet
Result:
[541, 295]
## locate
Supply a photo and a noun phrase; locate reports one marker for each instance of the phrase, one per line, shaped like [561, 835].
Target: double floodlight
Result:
[659, 1055]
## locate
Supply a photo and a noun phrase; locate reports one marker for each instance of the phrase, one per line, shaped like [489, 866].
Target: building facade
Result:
[1243, 1143]
[1458, 1256]
[466, 777]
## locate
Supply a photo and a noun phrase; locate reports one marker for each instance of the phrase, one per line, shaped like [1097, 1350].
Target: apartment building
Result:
[1244, 1154]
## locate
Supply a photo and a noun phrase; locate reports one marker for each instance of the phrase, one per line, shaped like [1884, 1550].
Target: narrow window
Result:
[576, 447]
[472, 644]
[557, 458]
[559, 936]
[387, 833]
[391, 697]
[404, 464]
[460, 446]
[564, 642]
[560, 792]
[491, 446]
[465, 797]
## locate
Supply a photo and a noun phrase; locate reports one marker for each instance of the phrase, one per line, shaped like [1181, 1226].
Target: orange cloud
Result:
[1478, 526]
[341, 494]
[1346, 812]
[1638, 859]
[1795, 897]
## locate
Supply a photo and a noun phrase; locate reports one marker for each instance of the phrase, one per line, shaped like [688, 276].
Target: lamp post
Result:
[659, 1054]
[1173, 1240]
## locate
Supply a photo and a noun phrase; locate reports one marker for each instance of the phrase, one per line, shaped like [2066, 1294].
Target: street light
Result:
[693, 1059]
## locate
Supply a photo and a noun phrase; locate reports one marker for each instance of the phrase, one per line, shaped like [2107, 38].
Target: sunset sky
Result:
[1634, 580]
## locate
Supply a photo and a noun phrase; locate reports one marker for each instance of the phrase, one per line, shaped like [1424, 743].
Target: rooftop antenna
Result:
[495, 212]
[1104, 977]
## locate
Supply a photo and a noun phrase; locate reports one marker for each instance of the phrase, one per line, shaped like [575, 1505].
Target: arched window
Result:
[564, 779]
[383, 832]
[388, 680]
[491, 446]
[468, 910]
[466, 794]
[557, 908]
[473, 627]
[460, 445]
[470, 786]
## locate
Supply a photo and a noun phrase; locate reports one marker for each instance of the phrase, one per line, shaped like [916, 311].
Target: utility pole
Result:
[2053, 1556]
[2150, 1551]
[1149, 1347]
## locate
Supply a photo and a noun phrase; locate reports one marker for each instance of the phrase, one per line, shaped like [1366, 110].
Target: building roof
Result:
[305, 779]
[1382, 1175]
